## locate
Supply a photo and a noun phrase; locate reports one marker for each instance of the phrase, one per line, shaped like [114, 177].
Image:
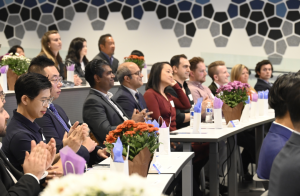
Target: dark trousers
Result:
[197, 166]
[246, 139]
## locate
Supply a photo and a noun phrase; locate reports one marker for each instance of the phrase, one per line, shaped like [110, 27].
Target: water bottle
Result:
[192, 117]
[209, 113]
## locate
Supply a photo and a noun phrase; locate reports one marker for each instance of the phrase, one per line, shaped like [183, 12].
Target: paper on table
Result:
[117, 150]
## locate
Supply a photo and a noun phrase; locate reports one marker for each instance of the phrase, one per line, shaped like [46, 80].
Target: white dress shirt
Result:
[133, 92]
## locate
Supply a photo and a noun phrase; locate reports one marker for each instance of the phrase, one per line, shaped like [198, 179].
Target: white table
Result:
[213, 136]
[173, 164]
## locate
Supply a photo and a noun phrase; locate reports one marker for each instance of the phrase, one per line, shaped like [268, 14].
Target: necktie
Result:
[139, 100]
[53, 109]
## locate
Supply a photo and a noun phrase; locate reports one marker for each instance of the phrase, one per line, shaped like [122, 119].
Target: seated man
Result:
[280, 130]
[55, 122]
[219, 74]
[263, 71]
[100, 112]
[130, 77]
[33, 96]
[285, 172]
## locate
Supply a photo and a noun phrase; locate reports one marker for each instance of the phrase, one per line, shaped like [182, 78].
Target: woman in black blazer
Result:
[77, 55]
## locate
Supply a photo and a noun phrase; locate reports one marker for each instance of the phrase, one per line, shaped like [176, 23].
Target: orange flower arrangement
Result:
[139, 60]
[136, 135]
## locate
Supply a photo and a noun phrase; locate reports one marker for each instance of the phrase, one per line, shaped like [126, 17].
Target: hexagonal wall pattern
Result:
[272, 24]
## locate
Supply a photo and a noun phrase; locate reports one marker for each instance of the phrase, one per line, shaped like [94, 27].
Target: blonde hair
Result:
[46, 50]
[236, 73]
[212, 68]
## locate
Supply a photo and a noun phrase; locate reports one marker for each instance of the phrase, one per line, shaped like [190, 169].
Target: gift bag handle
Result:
[71, 165]
[163, 120]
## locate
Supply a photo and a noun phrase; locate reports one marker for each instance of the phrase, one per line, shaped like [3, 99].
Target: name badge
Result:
[70, 123]
[44, 139]
[191, 97]
[172, 103]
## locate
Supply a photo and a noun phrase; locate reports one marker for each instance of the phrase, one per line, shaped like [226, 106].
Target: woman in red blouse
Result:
[161, 103]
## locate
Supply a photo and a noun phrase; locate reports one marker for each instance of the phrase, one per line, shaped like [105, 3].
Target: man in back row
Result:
[106, 46]
[219, 75]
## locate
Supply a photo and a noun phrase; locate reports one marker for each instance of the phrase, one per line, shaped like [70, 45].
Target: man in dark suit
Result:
[285, 172]
[219, 74]
[55, 122]
[263, 70]
[100, 112]
[127, 96]
[106, 46]
[280, 130]
[12, 181]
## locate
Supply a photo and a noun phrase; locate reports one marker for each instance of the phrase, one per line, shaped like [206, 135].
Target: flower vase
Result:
[141, 163]
[232, 113]
[11, 79]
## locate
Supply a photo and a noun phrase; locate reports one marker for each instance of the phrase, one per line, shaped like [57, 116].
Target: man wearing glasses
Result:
[55, 122]
[128, 97]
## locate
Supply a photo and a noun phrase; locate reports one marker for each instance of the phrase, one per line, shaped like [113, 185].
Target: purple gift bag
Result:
[71, 162]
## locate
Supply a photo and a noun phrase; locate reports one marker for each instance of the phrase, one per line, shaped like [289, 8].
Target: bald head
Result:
[129, 75]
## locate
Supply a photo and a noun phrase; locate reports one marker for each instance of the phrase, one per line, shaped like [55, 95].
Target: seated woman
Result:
[51, 45]
[17, 49]
[161, 103]
[245, 139]
[241, 73]
[77, 55]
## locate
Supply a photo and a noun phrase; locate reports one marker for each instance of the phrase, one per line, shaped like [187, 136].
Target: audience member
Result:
[55, 122]
[282, 128]
[14, 182]
[285, 173]
[106, 46]
[181, 71]
[198, 90]
[241, 73]
[219, 74]
[51, 45]
[100, 112]
[195, 84]
[17, 49]
[33, 96]
[128, 97]
[77, 55]
[158, 100]
[263, 70]
[137, 53]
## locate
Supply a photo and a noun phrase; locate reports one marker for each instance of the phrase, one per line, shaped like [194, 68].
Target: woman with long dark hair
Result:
[161, 103]
[77, 55]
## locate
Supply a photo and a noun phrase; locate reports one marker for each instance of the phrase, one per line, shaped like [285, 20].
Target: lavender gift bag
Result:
[72, 163]
[218, 103]
[70, 72]
[164, 138]
[3, 77]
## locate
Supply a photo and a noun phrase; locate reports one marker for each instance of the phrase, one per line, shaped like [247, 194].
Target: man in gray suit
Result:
[106, 46]
[285, 172]
[100, 112]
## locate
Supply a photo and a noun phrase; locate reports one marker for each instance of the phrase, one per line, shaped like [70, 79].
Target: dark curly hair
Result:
[260, 64]
[75, 47]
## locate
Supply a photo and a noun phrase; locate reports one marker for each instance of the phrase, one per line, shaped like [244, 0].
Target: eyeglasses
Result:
[2, 96]
[138, 73]
[57, 80]
[46, 101]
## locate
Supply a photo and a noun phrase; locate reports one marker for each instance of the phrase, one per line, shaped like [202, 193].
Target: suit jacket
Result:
[213, 88]
[52, 128]
[100, 115]
[261, 85]
[128, 103]
[285, 172]
[272, 144]
[114, 65]
[26, 185]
